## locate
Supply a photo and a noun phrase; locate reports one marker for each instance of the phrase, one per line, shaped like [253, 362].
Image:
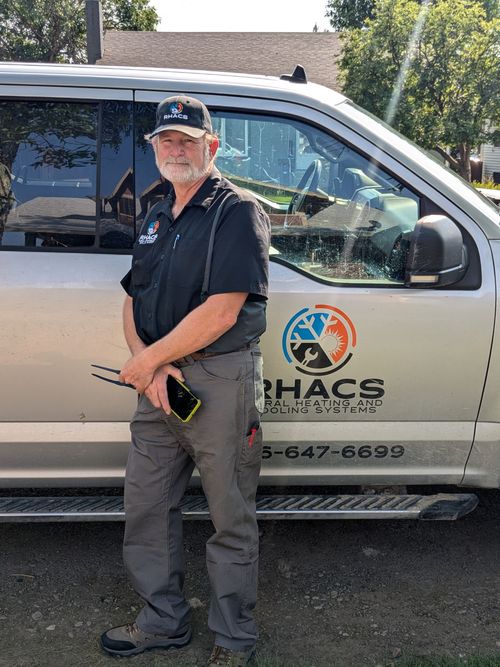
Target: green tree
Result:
[47, 31]
[491, 7]
[431, 70]
[347, 14]
[129, 15]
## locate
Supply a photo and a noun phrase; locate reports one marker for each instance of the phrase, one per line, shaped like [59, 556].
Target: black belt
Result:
[196, 356]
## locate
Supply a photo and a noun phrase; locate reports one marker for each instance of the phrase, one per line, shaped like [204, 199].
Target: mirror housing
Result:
[437, 256]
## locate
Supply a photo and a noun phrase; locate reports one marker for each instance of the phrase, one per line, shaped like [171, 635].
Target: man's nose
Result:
[176, 149]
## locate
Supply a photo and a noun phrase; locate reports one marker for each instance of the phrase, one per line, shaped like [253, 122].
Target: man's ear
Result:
[214, 145]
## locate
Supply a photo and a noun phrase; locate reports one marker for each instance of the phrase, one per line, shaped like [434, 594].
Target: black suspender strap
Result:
[208, 264]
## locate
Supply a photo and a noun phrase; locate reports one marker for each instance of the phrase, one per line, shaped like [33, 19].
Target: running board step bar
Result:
[110, 508]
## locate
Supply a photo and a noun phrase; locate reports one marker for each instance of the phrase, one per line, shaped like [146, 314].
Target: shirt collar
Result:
[203, 197]
[206, 194]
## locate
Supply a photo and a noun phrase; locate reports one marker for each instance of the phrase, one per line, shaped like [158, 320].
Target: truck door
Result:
[367, 380]
[66, 229]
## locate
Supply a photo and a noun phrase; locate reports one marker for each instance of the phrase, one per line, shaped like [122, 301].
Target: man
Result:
[209, 340]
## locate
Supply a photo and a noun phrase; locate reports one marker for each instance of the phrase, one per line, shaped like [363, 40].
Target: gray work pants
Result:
[162, 456]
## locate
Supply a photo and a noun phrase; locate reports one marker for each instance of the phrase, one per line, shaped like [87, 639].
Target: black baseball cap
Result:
[184, 114]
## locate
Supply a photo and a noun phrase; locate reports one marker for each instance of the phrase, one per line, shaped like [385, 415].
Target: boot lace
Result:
[131, 629]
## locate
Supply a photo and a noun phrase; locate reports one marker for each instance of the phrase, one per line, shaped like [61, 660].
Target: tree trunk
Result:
[464, 161]
[454, 164]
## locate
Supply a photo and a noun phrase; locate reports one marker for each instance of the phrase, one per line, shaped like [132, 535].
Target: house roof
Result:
[267, 53]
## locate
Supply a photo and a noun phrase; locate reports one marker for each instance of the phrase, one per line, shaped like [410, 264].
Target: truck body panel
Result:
[368, 380]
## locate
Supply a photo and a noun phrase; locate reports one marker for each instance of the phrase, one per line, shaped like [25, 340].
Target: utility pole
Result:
[93, 14]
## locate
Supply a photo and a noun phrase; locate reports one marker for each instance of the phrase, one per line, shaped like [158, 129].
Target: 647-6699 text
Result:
[347, 452]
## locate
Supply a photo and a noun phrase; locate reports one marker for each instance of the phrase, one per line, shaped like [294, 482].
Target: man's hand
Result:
[157, 390]
[138, 371]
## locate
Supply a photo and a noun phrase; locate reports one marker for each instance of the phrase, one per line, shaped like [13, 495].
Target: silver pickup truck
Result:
[382, 361]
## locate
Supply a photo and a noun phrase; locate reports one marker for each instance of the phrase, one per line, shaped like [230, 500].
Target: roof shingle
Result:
[266, 53]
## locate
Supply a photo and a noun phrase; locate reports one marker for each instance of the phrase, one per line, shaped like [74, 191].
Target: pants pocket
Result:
[144, 406]
[251, 453]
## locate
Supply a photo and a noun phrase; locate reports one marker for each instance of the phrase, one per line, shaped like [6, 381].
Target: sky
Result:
[241, 15]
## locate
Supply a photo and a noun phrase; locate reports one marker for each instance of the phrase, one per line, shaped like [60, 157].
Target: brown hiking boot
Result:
[130, 639]
[224, 657]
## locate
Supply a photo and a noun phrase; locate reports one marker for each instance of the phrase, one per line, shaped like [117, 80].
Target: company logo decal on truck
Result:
[319, 340]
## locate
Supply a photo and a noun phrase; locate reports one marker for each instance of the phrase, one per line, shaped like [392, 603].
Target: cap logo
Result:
[176, 107]
[175, 112]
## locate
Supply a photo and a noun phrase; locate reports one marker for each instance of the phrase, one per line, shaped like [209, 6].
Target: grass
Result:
[486, 184]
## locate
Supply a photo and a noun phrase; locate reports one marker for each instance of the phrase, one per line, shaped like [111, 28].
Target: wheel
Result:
[308, 183]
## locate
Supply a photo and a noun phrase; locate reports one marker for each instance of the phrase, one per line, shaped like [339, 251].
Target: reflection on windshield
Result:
[460, 182]
[334, 213]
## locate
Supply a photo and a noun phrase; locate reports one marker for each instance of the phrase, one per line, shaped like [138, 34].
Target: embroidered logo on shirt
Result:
[153, 227]
[152, 233]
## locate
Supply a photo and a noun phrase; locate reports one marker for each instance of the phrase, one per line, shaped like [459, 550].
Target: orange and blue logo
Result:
[153, 227]
[176, 107]
[319, 340]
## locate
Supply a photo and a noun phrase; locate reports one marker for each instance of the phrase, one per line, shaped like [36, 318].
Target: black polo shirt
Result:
[169, 260]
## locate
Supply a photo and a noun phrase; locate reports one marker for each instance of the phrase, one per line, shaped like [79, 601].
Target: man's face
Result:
[181, 158]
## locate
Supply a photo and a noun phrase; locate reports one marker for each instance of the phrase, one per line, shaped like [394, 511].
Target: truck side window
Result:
[335, 215]
[65, 174]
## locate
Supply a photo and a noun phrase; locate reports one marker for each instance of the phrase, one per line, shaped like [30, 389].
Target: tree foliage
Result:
[429, 69]
[47, 31]
[129, 15]
[345, 14]
[348, 14]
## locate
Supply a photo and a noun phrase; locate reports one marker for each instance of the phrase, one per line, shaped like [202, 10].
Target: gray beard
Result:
[184, 172]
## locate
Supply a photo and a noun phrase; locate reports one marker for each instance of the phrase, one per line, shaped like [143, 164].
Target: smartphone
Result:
[183, 402]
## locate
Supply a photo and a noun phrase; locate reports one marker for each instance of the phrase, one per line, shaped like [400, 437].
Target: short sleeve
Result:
[126, 282]
[240, 260]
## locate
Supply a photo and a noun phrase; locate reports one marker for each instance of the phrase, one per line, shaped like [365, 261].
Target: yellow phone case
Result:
[195, 407]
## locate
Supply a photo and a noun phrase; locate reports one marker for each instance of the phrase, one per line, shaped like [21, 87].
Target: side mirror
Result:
[437, 255]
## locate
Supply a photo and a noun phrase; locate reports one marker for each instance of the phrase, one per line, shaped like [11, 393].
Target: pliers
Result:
[110, 370]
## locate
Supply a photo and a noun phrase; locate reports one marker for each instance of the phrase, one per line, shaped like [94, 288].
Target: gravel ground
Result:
[332, 593]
